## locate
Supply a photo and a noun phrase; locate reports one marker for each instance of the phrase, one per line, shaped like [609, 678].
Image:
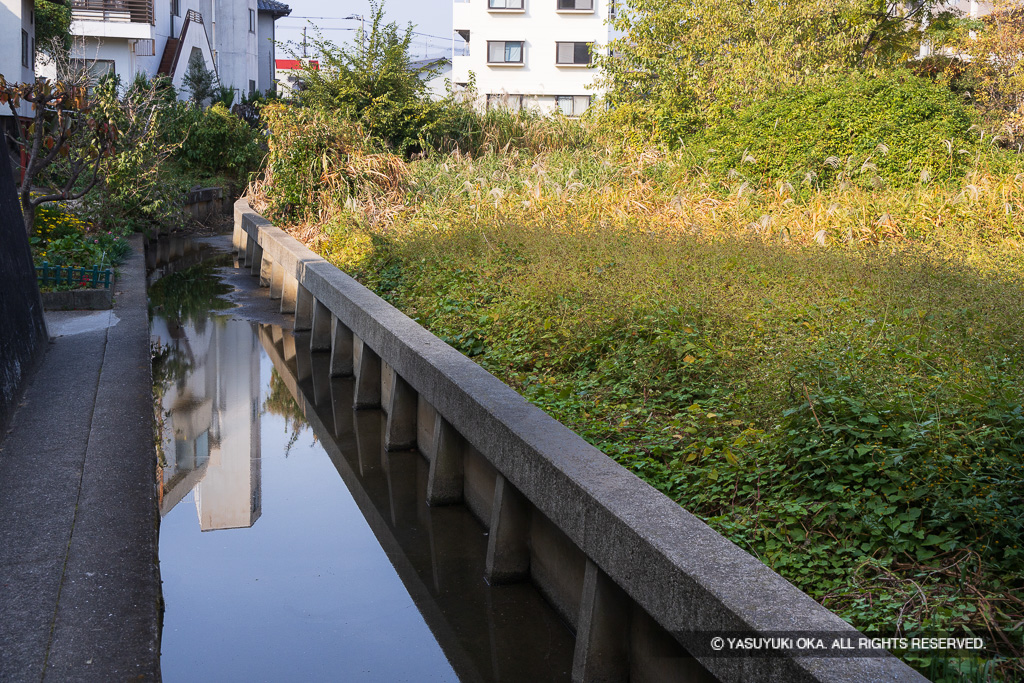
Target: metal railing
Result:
[88, 278]
[134, 11]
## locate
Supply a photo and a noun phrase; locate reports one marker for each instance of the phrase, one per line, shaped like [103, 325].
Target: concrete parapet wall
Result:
[640, 579]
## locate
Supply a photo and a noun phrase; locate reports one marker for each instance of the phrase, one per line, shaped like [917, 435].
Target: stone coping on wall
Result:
[690, 579]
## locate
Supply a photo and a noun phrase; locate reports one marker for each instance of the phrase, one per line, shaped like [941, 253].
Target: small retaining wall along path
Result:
[22, 329]
[645, 584]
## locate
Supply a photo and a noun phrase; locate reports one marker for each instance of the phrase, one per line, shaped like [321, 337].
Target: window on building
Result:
[583, 5]
[505, 101]
[572, 105]
[504, 52]
[176, 7]
[95, 69]
[24, 48]
[504, 4]
[572, 53]
[252, 87]
[252, 21]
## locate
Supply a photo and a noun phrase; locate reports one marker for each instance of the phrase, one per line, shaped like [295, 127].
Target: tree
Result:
[198, 80]
[372, 82]
[53, 27]
[73, 134]
[680, 62]
[991, 51]
[65, 130]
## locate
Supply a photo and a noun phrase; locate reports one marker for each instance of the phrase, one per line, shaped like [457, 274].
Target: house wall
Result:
[236, 44]
[540, 25]
[238, 56]
[16, 16]
[265, 38]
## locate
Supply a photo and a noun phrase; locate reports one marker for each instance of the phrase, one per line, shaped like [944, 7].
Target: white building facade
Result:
[17, 49]
[235, 38]
[531, 53]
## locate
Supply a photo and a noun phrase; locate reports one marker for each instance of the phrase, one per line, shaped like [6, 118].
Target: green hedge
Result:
[857, 128]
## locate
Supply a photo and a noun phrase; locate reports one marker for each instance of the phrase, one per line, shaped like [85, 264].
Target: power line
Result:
[293, 16]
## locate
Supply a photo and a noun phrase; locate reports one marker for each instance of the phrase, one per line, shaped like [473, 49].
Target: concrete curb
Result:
[614, 532]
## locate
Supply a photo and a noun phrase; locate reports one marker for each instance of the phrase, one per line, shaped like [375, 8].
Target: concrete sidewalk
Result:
[79, 580]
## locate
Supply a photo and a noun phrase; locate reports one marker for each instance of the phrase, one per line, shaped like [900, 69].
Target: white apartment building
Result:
[531, 53]
[17, 47]
[234, 37]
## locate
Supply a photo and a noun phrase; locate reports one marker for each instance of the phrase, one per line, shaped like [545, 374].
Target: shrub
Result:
[898, 128]
[317, 161]
[215, 142]
[60, 238]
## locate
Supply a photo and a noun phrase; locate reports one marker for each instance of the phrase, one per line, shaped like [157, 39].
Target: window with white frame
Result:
[572, 54]
[572, 105]
[576, 5]
[504, 101]
[505, 4]
[24, 48]
[176, 7]
[252, 21]
[94, 70]
[504, 52]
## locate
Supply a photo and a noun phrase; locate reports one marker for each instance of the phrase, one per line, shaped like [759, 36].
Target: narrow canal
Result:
[293, 547]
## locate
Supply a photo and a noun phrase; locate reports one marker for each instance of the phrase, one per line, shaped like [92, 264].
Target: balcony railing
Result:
[134, 11]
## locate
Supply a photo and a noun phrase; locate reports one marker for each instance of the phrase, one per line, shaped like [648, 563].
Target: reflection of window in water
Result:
[279, 401]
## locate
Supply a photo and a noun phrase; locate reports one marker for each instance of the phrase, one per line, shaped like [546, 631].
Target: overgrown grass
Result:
[830, 378]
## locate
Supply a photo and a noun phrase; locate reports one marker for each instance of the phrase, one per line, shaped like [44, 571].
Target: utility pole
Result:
[362, 33]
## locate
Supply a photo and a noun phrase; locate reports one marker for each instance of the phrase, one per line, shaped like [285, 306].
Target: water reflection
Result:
[488, 633]
[349, 577]
[210, 432]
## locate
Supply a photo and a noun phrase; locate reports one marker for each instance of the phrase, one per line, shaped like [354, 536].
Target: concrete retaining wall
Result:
[22, 329]
[99, 299]
[203, 202]
[644, 583]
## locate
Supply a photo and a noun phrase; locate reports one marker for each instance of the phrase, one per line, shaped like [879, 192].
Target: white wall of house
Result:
[535, 76]
[265, 38]
[234, 38]
[17, 40]
[17, 45]
[236, 44]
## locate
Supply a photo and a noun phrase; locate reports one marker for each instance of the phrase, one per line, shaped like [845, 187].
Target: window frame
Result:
[573, 99]
[574, 9]
[492, 8]
[575, 44]
[24, 49]
[506, 62]
[252, 20]
[495, 100]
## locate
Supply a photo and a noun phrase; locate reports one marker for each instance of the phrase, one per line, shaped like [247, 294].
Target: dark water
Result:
[292, 546]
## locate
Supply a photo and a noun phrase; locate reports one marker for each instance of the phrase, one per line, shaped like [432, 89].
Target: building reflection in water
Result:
[210, 426]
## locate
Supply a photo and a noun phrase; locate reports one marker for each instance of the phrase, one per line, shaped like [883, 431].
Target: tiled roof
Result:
[278, 9]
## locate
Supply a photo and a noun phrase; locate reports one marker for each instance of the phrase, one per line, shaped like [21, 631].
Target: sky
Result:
[432, 21]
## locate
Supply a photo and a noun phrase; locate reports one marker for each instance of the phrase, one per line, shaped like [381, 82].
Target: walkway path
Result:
[79, 581]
